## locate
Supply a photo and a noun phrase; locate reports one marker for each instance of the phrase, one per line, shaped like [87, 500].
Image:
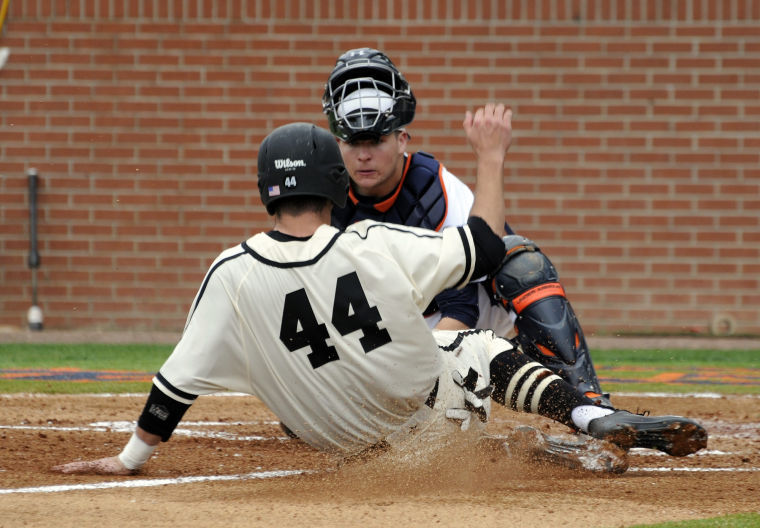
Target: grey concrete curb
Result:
[170, 338]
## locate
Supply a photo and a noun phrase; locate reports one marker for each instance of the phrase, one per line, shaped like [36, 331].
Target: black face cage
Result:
[368, 74]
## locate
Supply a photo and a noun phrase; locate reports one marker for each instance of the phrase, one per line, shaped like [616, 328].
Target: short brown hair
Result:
[295, 205]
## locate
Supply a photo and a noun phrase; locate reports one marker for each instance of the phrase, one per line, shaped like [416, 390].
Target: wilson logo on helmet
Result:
[317, 169]
[288, 163]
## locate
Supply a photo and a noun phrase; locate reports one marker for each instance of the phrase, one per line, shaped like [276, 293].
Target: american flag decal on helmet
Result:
[274, 190]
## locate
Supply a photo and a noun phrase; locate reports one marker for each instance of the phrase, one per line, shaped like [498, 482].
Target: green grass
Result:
[741, 520]
[137, 358]
[148, 358]
[679, 388]
[678, 357]
[85, 356]
[69, 387]
[645, 364]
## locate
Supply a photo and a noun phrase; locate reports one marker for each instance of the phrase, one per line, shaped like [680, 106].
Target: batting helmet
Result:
[301, 159]
[366, 95]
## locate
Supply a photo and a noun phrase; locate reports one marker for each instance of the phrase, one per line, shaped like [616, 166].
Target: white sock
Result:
[583, 414]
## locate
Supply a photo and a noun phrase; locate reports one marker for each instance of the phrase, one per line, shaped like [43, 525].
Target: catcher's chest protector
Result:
[419, 201]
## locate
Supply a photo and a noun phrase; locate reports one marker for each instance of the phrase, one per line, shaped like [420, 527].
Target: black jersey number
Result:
[351, 312]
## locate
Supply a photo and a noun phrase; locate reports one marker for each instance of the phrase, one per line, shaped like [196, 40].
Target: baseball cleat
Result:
[603, 400]
[579, 452]
[674, 435]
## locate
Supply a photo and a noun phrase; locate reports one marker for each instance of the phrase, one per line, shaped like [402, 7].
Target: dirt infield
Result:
[229, 465]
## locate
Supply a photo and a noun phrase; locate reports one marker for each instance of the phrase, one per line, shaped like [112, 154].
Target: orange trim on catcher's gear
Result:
[515, 249]
[542, 291]
[445, 196]
[495, 289]
[352, 196]
[545, 351]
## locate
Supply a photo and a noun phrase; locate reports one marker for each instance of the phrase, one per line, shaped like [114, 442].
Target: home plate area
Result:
[229, 464]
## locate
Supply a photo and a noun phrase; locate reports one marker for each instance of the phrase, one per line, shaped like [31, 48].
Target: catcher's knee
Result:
[525, 275]
[527, 284]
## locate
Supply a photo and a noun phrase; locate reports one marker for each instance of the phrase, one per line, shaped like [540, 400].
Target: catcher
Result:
[368, 104]
[325, 326]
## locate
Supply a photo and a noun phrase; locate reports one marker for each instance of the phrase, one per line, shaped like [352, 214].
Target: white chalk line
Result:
[129, 427]
[53, 428]
[146, 483]
[708, 395]
[692, 470]
[641, 451]
[43, 395]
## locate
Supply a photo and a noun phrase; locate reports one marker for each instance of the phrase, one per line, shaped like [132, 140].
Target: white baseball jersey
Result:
[460, 199]
[327, 331]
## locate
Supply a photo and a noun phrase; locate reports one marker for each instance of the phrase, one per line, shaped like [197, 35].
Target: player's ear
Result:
[402, 137]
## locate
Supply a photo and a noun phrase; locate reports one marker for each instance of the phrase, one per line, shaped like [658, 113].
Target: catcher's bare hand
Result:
[489, 131]
[101, 466]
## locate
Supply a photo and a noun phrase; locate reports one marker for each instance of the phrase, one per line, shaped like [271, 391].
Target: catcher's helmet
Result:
[366, 95]
[301, 159]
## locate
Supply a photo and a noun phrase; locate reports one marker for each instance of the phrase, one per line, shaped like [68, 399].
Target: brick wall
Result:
[635, 164]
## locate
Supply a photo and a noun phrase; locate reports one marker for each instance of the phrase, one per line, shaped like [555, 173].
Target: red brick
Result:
[615, 121]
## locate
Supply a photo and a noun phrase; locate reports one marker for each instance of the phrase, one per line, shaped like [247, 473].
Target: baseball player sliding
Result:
[325, 326]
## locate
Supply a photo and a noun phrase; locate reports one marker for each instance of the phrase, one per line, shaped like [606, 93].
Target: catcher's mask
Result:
[301, 159]
[366, 96]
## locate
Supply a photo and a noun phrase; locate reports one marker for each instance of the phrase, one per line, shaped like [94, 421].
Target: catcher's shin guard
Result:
[547, 328]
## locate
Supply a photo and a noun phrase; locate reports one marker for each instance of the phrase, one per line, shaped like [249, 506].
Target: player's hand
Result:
[489, 131]
[101, 466]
